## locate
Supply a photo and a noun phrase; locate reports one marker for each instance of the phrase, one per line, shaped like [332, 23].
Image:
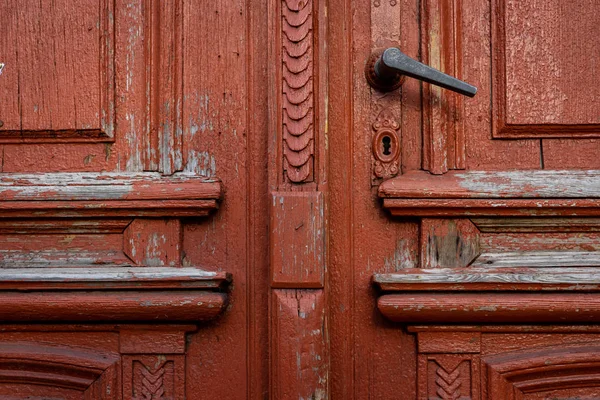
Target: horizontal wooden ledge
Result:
[107, 195]
[491, 279]
[531, 308]
[109, 278]
[493, 193]
[111, 306]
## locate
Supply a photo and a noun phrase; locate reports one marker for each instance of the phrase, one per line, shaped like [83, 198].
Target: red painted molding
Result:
[490, 307]
[107, 195]
[112, 306]
[493, 193]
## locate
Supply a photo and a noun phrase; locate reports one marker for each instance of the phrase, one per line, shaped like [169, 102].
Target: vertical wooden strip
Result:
[299, 364]
[164, 86]
[130, 84]
[443, 130]
[107, 71]
[10, 105]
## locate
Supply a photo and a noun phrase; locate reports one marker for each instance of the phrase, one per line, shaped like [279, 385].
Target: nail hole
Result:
[386, 141]
[1, 124]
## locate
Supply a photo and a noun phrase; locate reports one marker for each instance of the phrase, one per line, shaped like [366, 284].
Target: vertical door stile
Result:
[297, 177]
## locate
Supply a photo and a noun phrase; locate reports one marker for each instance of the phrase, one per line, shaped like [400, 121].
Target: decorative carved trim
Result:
[94, 374]
[448, 383]
[444, 144]
[518, 374]
[386, 145]
[448, 376]
[153, 377]
[297, 86]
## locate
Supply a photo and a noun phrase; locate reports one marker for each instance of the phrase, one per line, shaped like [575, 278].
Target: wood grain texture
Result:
[530, 308]
[297, 240]
[541, 63]
[447, 243]
[59, 72]
[299, 344]
[139, 278]
[510, 278]
[537, 225]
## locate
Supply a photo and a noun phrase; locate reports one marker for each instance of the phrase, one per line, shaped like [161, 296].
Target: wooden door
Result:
[206, 199]
[476, 224]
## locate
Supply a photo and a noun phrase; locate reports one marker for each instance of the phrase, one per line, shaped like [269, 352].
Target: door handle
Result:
[385, 72]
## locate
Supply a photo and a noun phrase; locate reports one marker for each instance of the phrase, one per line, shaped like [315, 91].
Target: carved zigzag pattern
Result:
[448, 383]
[297, 53]
[151, 386]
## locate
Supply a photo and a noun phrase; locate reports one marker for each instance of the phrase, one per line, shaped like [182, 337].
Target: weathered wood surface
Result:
[514, 278]
[103, 306]
[448, 243]
[59, 73]
[154, 243]
[536, 184]
[494, 193]
[537, 225]
[107, 195]
[541, 66]
[138, 278]
[530, 308]
[444, 132]
[545, 258]
[299, 344]
[107, 186]
[297, 240]
[492, 208]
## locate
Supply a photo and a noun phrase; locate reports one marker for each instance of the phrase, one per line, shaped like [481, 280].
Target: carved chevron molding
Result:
[297, 53]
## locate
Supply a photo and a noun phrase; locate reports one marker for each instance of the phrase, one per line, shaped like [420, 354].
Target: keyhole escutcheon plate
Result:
[385, 145]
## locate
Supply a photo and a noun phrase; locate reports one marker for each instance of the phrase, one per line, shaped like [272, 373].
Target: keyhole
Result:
[386, 141]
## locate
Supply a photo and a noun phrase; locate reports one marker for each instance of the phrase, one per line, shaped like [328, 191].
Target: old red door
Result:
[477, 221]
[206, 199]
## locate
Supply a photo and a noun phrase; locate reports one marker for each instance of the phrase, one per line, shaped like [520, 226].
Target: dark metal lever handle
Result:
[393, 63]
